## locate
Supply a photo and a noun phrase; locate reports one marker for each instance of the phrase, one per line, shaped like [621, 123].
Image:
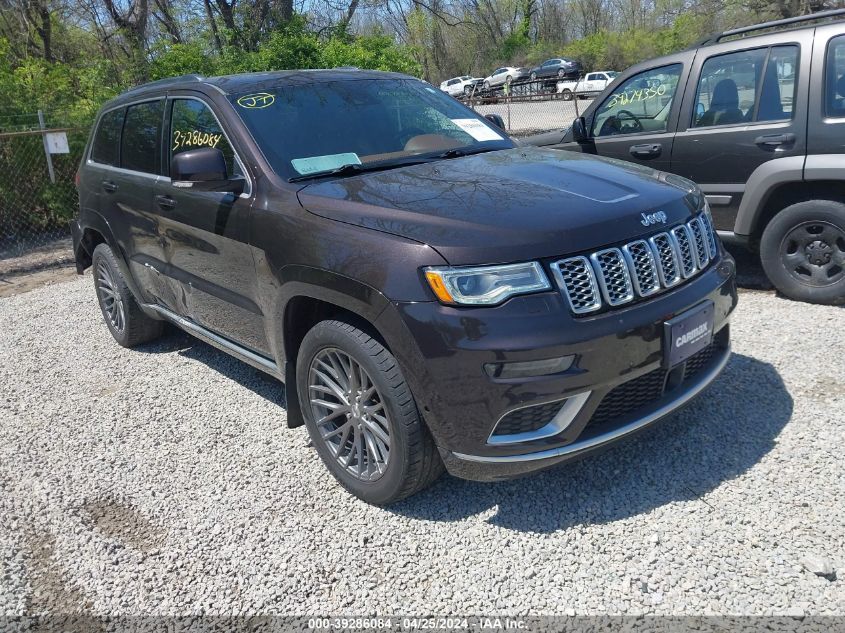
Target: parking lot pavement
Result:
[163, 481]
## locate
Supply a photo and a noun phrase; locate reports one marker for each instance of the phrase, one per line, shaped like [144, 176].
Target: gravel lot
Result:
[164, 481]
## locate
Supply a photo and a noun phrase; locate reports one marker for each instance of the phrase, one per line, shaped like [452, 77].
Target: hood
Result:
[507, 206]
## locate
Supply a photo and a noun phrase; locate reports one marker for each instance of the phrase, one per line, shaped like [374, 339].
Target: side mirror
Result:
[579, 130]
[203, 169]
[496, 120]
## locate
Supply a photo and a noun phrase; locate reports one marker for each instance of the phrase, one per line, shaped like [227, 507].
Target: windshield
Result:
[318, 127]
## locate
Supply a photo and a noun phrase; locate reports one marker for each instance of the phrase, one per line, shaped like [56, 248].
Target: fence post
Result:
[46, 147]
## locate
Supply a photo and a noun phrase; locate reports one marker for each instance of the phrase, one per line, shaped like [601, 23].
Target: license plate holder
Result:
[687, 333]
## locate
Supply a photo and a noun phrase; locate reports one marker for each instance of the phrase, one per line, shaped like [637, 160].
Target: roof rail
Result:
[165, 82]
[810, 17]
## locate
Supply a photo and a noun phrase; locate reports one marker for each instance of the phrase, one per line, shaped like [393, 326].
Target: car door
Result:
[744, 107]
[210, 262]
[636, 120]
[127, 194]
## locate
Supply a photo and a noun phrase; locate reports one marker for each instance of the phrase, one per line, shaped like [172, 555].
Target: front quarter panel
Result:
[300, 254]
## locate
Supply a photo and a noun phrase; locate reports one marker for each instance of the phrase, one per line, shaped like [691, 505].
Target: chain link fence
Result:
[531, 107]
[39, 155]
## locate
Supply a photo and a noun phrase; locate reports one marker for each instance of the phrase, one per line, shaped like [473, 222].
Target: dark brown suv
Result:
[430, 293]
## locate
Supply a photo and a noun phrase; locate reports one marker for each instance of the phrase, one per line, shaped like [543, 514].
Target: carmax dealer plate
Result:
[687, 333]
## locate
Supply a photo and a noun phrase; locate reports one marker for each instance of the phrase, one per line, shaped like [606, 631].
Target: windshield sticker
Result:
[635, 96]
[477, 130]
[324, 163]
[256, 101]
[195, 138]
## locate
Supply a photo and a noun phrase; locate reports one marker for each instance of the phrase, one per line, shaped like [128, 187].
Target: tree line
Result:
[71, 55]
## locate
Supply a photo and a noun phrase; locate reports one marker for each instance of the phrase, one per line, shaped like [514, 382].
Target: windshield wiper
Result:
[343, 170]
[356, 168]
[350, 169]
[458, 152]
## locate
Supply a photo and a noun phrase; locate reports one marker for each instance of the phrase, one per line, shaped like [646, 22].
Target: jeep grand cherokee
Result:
[430, 293]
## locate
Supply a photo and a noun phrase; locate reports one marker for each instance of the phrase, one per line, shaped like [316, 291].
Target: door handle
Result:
[108, 186]
[646, 150]
[774, 140]
[165, 202]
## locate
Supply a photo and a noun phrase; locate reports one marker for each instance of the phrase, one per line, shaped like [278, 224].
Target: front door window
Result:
[640, 104]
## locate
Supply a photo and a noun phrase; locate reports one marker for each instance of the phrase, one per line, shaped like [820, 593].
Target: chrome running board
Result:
[215, 340]
[695, 388]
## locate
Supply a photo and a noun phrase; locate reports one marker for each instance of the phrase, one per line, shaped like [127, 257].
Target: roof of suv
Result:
[254, 82]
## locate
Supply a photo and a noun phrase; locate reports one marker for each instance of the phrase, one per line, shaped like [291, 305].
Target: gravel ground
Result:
[163, 481]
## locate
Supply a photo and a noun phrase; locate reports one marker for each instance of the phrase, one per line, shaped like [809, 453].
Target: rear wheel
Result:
[126, 321]
[803, 251]
[361, 415]
[533, 76]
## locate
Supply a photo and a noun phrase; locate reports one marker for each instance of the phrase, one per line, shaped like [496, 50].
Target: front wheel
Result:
[803, 251]
[361, 415]
[533, 76]
[487, 85]
[566, 95]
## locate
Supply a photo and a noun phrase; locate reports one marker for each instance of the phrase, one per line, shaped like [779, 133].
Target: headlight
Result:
[485, 285]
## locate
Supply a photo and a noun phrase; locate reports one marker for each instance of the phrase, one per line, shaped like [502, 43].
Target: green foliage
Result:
[290, 47]
[616, 50]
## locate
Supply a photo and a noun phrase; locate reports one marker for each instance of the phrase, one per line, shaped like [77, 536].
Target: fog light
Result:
[530, 368]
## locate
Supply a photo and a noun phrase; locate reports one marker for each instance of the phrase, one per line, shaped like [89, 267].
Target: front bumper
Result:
[445, 354]
[494, 468]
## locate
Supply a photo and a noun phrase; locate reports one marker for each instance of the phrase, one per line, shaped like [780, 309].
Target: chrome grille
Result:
[667, 256]
[700, 242]
[576, 277]
[643, 266]
[710, 232]
[616, 276]
[683, 240]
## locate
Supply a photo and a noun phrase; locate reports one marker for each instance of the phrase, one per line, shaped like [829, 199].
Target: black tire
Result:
[566, 95]
[487, 85]
[533, 76]
[413, 463]
[803, 251]
[123, 316]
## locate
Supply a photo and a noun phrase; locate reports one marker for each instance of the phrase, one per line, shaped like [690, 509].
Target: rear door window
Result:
[747, 86]
[106, 143]
[835, 78]
[140, 147]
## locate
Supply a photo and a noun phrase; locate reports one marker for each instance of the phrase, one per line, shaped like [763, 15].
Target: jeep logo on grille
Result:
[653, 218]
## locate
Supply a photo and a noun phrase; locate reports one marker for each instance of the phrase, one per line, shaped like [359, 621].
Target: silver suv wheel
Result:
[110, 298]
[349, 413]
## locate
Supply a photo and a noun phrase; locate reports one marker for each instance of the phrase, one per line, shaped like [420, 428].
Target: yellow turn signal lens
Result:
[438, 287]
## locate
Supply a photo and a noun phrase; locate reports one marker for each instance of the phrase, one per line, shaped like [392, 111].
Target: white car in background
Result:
[460, 85]
[504, 75]
[589, 85]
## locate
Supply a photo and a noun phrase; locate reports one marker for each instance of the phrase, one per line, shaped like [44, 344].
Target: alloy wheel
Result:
[349, 414]
[109, 296]
[814, 253]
